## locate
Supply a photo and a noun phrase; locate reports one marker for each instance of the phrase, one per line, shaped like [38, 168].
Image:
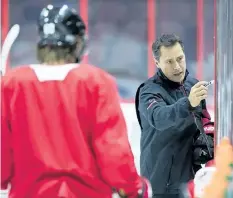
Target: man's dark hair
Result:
[166, 40]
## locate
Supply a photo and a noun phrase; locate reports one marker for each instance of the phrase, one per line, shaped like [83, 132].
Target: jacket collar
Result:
[172, 84]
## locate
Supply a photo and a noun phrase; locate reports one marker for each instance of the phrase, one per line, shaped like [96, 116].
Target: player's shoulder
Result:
[15, 74]
[16, 71]
[95, 74]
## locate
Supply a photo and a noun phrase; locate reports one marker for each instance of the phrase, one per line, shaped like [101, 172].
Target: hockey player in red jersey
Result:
[63, 131]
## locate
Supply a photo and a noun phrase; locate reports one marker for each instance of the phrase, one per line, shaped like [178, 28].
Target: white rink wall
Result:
[134, 131]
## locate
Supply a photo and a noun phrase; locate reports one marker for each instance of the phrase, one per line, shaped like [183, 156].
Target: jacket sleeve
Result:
[110, 141]
[167, 119]
[6, 151]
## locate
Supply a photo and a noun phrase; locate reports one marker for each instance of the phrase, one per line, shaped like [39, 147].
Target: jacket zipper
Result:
[169, 175]
[184, 91]
[170, 171]
[185, 94]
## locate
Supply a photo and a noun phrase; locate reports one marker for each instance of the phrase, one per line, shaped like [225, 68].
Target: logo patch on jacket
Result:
[151, 102]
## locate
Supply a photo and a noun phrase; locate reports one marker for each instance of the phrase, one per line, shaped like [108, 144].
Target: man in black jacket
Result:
[168, 107]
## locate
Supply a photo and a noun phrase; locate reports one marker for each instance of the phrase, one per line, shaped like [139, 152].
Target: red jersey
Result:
[63, 134]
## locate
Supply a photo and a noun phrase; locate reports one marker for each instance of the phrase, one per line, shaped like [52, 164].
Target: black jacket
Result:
[168, 129]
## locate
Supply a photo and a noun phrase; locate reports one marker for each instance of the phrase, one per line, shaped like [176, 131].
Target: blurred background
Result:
[121, 33]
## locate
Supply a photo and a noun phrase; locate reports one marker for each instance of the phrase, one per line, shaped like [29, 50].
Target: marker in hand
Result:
[209, 83]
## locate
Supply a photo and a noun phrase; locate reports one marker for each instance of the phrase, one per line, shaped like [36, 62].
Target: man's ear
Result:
[156, 62]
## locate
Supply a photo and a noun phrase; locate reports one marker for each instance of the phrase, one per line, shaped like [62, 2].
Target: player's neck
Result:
[57, 63]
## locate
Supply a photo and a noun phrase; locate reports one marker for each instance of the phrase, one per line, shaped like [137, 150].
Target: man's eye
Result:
[180, 59]
[169, 62]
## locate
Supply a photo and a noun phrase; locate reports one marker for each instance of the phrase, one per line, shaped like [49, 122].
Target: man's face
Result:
[172, 62]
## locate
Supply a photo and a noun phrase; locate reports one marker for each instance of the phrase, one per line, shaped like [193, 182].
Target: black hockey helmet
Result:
[59, 26]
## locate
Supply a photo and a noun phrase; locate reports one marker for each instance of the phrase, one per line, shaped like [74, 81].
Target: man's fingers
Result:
[201, 93]
[203, 97]
[199, 89]
[200, 83]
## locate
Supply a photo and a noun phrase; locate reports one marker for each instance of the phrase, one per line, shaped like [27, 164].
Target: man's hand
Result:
[198, 93]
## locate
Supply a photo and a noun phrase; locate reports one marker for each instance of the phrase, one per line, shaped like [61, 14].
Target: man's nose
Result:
[177, 66]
